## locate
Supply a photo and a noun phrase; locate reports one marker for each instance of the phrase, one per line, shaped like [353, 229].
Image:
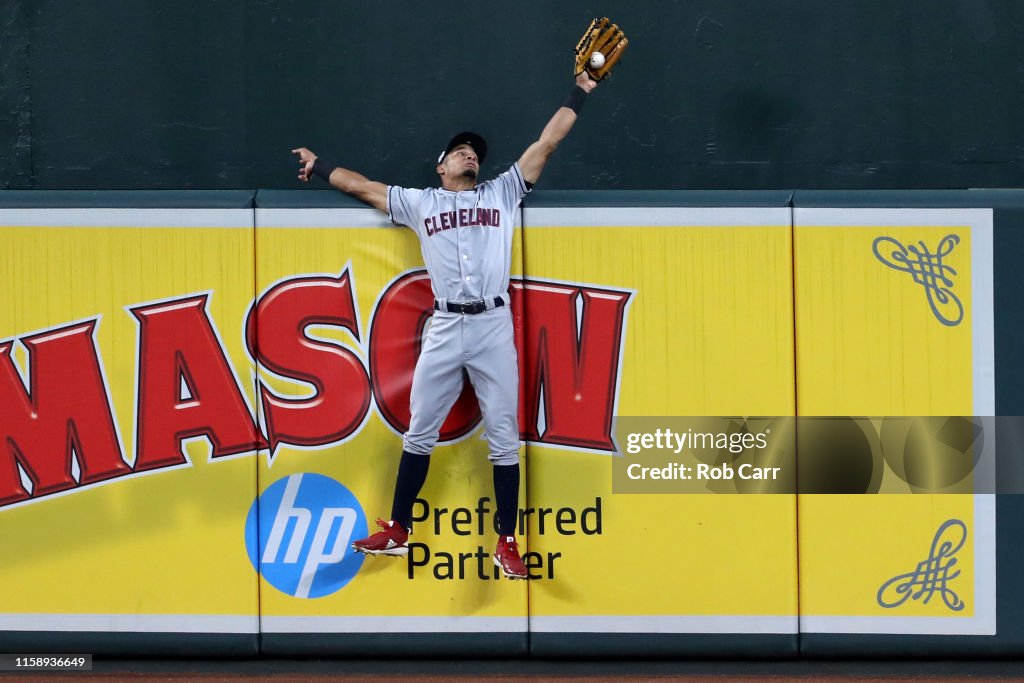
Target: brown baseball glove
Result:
[604, 38]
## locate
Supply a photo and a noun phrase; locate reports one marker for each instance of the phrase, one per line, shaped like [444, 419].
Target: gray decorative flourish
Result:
[932, 575]
[928, 270]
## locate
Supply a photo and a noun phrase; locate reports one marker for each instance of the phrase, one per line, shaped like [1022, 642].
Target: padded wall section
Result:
[343, 304]
[684, 302]
[127, 424]
[906, 307]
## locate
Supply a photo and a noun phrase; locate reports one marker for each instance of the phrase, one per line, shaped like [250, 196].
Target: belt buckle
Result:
[475, 307]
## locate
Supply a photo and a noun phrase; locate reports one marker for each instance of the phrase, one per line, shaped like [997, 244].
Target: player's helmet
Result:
[478, 144]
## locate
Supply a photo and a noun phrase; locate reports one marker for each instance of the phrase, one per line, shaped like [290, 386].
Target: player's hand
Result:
[586, 82]
[306, 159]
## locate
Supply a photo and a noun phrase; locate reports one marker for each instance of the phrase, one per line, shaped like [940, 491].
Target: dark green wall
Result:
[712, 94]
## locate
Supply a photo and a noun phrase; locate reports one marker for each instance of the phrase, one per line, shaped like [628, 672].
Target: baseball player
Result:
[465, 232]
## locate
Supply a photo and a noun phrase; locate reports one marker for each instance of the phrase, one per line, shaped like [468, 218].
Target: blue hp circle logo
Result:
[304, 525]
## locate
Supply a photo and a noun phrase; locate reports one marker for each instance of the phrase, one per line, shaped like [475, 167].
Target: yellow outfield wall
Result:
[894, 317]
[122, 513]
[201, 408]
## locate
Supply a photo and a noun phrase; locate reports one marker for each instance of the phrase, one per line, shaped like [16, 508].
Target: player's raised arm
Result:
[600, 48]
[536, 155]
[359, 186]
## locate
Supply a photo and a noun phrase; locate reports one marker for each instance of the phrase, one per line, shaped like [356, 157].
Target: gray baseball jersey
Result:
[466, 237]
[466, 240]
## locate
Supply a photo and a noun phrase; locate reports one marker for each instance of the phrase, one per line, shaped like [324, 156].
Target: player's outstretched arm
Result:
[359, 186]
[536, 155]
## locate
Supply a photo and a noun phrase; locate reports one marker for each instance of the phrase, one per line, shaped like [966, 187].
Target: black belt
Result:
[469, 307]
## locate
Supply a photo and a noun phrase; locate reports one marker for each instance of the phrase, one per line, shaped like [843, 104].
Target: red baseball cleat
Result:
[506, 556]
[391, 540]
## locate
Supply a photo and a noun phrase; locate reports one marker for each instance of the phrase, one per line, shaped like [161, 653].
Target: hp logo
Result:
[298, 535]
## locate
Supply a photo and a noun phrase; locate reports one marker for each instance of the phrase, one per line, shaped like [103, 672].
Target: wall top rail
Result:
[938, 199]
[324, 198]
[127, 199]
[299, 199]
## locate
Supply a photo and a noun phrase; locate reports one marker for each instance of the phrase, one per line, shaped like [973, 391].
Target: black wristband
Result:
[323, 169]
[576, 99]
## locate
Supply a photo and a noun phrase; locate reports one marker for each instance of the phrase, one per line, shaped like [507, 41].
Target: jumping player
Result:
[465, 233]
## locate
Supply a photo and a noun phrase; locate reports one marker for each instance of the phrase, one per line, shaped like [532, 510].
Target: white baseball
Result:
[596, 60]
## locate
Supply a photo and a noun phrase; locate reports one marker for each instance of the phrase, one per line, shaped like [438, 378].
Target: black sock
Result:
[506, 497]
[412, 472]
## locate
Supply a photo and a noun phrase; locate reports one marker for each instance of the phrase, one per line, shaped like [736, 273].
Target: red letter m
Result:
[62, 417]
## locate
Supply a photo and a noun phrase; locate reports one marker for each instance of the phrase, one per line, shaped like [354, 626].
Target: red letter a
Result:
[179, 353]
